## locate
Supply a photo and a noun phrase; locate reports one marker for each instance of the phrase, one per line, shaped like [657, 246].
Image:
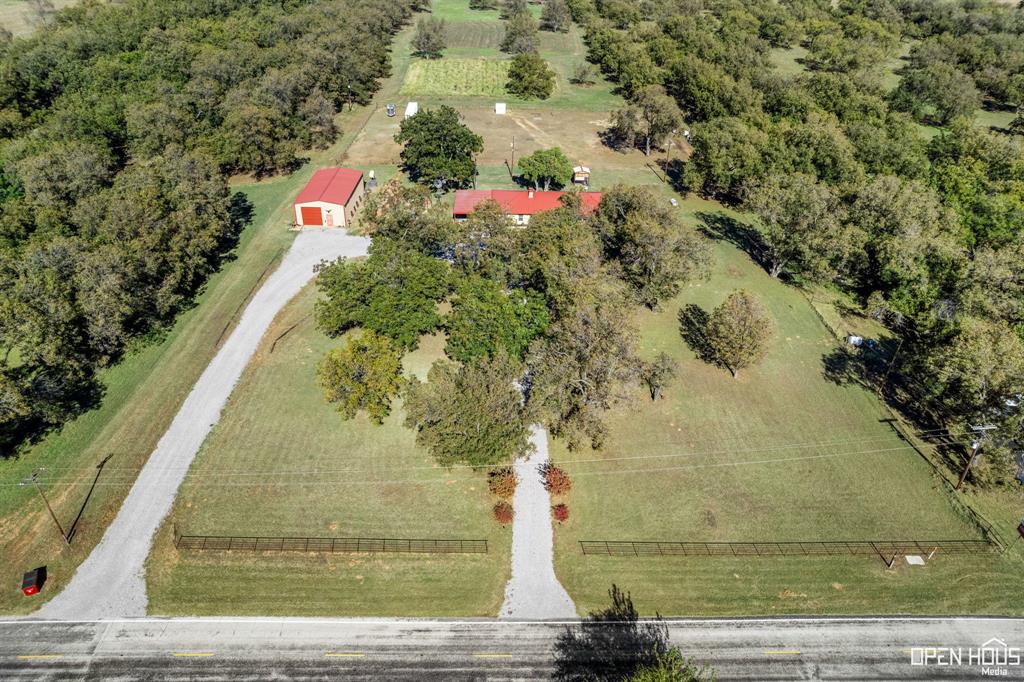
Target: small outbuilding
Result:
[330, 198]
[411, 109]
[581, 175]
[500, 109]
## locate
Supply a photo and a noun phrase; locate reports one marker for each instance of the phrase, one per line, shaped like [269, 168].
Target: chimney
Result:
[531, 194]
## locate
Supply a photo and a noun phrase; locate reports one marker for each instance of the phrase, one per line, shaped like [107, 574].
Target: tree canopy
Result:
[801, 227]
[365, 374]
[487, 320]
[394, 292]
[555, 16]
[438, 149]
[469, 414]
[120, 124]
[649, 118]
[530, 77]
[546, 167]
[430, 38]
[654, 253]
[578, 369]
[738, 331]
[520, 34]
[939, 86]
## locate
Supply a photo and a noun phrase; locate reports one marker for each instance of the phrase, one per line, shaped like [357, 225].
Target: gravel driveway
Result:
[110, 582]
[534, 591]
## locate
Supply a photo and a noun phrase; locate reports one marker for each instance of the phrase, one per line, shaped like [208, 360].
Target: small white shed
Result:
[411, 108]
[499, 108]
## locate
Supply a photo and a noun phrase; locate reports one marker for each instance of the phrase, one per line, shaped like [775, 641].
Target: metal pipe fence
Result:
[329, 545]
[882, 548]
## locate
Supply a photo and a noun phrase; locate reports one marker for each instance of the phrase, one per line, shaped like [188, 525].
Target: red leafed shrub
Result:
[503, 513]
[502, 482]
[560, 512]
[556, 481]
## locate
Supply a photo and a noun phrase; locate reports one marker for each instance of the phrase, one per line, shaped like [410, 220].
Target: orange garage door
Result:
[311, 215]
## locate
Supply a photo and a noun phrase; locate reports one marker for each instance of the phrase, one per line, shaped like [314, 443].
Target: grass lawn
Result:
[283, 462]
[458, 11]
[457, 77]
[995, 120]
[18, 18]
[780, 453]
[788, 61]
[475, 36]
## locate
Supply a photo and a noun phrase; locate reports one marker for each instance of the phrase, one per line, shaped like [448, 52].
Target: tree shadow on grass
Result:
[846, 365]
[673, 170]
[73, 529]
[61, 396]
[693, 320]
[869, 368]
[726, 228]
[611, 644]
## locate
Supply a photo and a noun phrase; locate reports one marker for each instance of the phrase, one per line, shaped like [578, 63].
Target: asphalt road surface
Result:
[301, 649]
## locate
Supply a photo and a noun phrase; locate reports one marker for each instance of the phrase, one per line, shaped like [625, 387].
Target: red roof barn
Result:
[330, 197]
[520, 204]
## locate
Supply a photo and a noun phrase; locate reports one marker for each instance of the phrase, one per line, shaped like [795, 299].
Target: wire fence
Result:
[329, 545]
[883, 548]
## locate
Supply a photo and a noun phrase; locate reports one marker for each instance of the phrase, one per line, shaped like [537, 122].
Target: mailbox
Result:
[33, 581]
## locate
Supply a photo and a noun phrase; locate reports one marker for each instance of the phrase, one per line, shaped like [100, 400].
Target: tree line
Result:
[119, 125]
[846, 191]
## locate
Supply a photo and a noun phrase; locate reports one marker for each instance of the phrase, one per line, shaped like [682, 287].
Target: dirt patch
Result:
[578, 133]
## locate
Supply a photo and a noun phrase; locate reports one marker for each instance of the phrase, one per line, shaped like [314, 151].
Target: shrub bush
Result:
[503, 513]
[556, 480]
[560, 512]
[502, 482]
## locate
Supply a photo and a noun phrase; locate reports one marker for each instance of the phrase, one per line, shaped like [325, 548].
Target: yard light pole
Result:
[33, 480]
[975, 447]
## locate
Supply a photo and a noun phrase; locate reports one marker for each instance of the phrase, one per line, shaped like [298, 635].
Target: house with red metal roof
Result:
[330, 198]
[520, 205]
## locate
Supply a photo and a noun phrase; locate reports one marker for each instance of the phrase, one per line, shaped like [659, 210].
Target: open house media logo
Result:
[994, 657]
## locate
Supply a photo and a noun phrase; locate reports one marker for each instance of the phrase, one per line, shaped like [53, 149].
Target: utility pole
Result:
[892, 361]
[1020, 534]
[975, 447]
[512, 168]
[33, 480]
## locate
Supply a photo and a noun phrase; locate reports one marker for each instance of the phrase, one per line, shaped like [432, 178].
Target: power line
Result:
[597, 460]
[202, 482]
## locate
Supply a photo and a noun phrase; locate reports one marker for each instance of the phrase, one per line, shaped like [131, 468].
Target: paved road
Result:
[533, 592]
[110, 582]
[227, 649]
